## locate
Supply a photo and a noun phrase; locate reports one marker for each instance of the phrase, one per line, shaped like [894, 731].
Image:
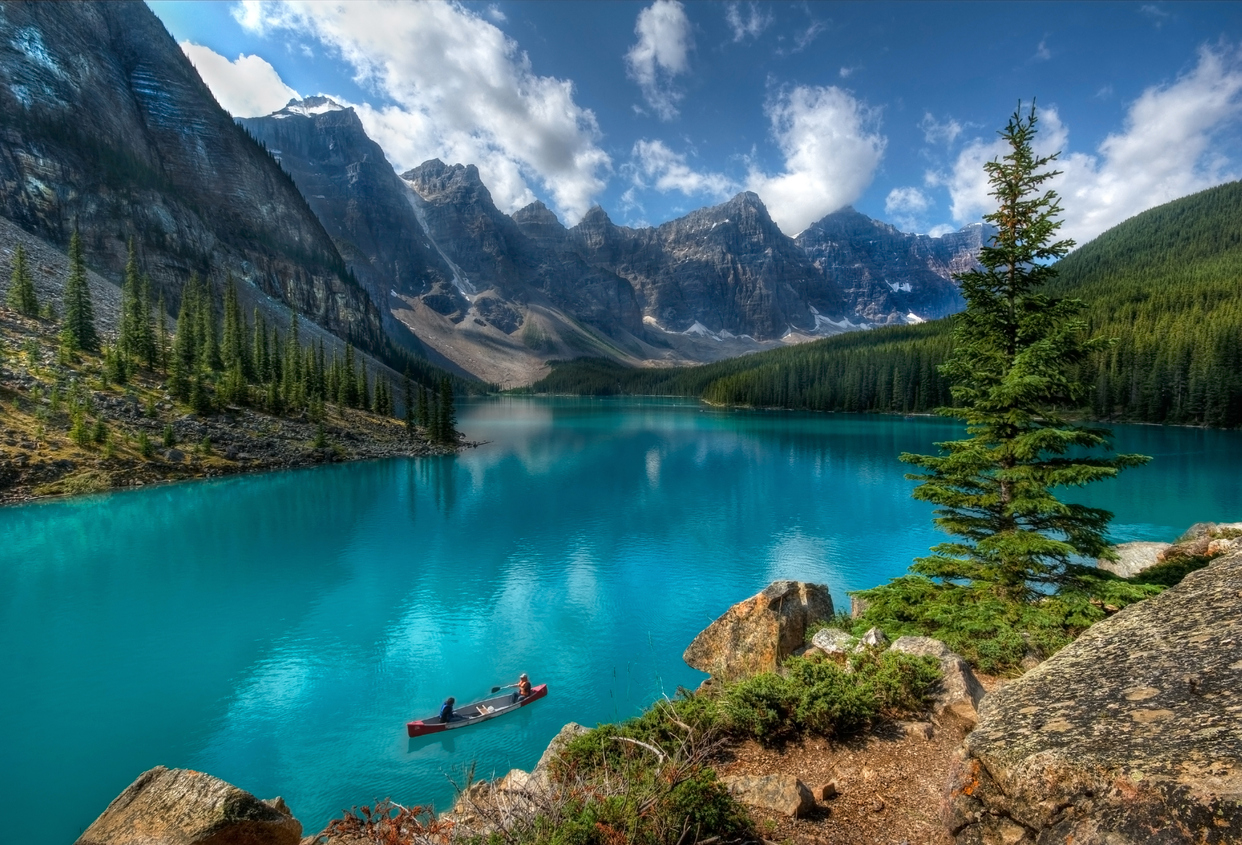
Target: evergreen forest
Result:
[1166, 285]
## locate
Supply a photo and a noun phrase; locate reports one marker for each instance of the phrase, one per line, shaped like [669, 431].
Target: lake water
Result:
[278, 630]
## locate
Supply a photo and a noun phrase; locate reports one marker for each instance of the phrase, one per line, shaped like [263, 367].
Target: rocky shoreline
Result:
[138, 436]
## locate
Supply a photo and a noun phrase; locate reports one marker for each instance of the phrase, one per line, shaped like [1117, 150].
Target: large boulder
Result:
[182, 807]
[783, 794]
[555, 747]
[960, 692]
[1133, 558]
[755, 635]
[1132, 734]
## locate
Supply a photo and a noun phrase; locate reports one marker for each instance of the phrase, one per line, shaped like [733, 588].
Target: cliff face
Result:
[727, 268]
[886, 275]
[106, 127]
[360, 200]
[526, 259]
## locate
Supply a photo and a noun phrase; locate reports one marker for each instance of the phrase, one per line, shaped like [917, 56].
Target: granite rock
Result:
[1133, 558]
[960, 692]
[1131, 734]
[182, 807]
[783, 794]
[755, 635]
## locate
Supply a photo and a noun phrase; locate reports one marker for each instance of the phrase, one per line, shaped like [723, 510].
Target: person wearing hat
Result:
[523, 687]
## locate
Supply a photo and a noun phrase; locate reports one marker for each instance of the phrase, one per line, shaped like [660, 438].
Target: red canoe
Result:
[472, 714]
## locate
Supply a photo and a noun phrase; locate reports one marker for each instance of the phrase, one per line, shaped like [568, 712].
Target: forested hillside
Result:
[1167, 284]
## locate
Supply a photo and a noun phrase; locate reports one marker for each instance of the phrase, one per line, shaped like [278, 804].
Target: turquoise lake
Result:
[278, 630]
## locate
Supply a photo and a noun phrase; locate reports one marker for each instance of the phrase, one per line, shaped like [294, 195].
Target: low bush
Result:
[992, 631]
[826, 698]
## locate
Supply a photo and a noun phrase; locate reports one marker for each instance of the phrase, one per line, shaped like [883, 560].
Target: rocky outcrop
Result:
[1132, 734]
[727, 268]
[556, 747]
[960, 692]
[783, 794]
[887, 275]
[183, 807]
[106, 128]
[755, 635]
[361, 201]
[525, 259]
[1133, 558]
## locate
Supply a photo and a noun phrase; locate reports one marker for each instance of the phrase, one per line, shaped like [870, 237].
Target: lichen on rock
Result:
[755, 635]
[1131, 734]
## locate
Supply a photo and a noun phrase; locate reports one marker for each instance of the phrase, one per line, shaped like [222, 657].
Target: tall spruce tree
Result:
[22, 297]
[446, 426]
[79, 331]
[409, 404]
[1013, 371]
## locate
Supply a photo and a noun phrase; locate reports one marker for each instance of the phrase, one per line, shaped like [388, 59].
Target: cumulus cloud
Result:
[657, 166]
[751, 25]
[906, 206]
[460, 90]
[246, 87]
[1163, 152]
[660, 54]
[937, 132]
[832, 147]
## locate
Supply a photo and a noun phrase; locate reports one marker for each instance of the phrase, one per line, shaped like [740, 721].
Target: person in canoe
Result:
[446, 710]
[522, 687]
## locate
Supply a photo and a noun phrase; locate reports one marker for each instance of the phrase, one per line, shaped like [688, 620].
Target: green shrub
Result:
[145, 447]
[993, 632]
[761, 706]
[170, 437]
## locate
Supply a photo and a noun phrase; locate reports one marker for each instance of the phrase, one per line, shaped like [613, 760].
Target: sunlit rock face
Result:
[888, 276]
[1129, 734]
[369, 212]
[108, 129]
[526, 259]
[727, 268]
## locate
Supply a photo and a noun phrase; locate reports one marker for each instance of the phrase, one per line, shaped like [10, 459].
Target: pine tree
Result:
[22, 298]
[1016, 353]
[232, 349]
[184, 364]
[409, 404]
[146, 330]
[447, 413]
[79, 331]
[349, 380]
[424, 410]
[364, 389]
[207, 330]
[129, 339]
[161, 335]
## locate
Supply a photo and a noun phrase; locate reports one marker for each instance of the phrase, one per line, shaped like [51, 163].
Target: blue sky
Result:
[652, 109]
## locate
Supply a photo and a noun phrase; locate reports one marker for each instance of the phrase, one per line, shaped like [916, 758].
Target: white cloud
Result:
[832, 147]
[935, 132]
[1042, 53]
[1163, 152]
[847, 72]
[804, 38]
[460, 90]
[657, 166]
[752, 25]
[906, 207]
[494, 12]
[661, 53]
[245, 87]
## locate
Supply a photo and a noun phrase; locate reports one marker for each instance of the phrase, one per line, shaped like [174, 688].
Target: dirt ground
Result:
[889, 782]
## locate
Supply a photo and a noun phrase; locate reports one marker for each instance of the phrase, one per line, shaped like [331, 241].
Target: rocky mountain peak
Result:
[310, 107]
[458, 183]
[536, 214]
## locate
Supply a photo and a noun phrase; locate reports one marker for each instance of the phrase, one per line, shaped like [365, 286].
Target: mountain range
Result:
[106, 128]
